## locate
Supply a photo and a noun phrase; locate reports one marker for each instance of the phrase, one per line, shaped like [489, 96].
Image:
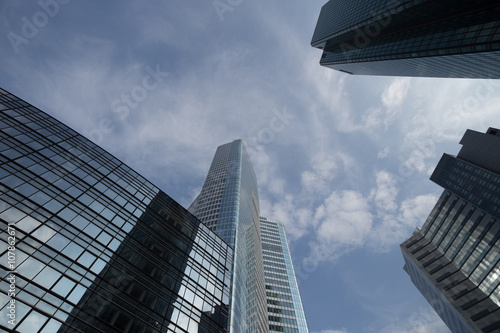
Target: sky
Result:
[343, 161]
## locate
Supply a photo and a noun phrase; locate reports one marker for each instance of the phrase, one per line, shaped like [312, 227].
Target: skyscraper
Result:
[229, 205]
[442, 38]
[284, 305]
[89, 245]
[454, 258]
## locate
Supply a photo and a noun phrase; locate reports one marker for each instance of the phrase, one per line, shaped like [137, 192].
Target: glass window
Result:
[80, 222]
[53, 205]
[21, 311]
[12, 215]
[87, 259]
[4, 299]
[58, 242]
[108, 214]
[92, 230]
[77, 294]
[40, 198]
[114, 244]
[51, 327]
[43, 233]
[47, 277]
[26, 189]
[64, 286]
[30, 268]
[104, 238]
[73, 250]
[97, 206]
[98, 266]
[33, 322]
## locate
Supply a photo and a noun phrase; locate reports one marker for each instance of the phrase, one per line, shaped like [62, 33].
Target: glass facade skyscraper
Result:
[284, 305]
[89, 245]
[454, 258]
[443, 38]
[229, 205]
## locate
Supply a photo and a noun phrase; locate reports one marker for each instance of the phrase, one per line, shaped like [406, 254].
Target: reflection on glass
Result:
[139, 269]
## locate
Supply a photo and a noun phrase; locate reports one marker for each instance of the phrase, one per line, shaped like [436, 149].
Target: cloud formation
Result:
[349, 219]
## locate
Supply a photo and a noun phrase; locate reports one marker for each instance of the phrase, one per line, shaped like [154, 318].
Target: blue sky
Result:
[342, 160]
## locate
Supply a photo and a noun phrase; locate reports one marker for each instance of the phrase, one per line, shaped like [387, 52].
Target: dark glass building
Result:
[284, 305]
[454, 258]
[430, 38]
[89, 245]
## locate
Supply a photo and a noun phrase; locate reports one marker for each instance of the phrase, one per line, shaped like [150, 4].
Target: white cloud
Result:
[297, 219]
[384, 195]
[394, 95]
[344, 218]
[383, 153]
[413, 211]
[373, 118]
[348, 219]
[439, 113]
[392, 99]
[325, 167]
[424, 320]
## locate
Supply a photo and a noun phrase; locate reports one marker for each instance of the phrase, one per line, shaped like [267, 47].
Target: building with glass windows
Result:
[444, 38]
[454, 258]
[89, 245]
[284, 305]
[229, 205]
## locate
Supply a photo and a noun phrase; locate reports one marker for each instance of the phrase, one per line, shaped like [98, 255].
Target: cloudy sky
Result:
[342, 160]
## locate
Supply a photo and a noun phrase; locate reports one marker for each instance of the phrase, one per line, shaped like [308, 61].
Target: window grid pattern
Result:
[454, 259]
[99, 248]
[410, 38]
[284, 309]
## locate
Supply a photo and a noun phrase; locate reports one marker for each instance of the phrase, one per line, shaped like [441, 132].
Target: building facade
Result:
[443, 38]
[89, 245]
[454, 258]
[284, 305]
[229, 205]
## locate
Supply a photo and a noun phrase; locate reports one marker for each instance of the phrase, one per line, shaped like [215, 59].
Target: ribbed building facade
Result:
[454, 258]
[89, 245]
[284, 305]
[430, 38]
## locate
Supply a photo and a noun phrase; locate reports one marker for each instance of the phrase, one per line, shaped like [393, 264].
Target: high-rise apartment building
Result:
[229, 205]
[284, 305]
[454, 258]
[430, 38]
[89, 245]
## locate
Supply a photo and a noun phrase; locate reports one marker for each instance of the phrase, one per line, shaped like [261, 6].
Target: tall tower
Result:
[229, 205]
[284, 305]
[454, 258]
[431, 38]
